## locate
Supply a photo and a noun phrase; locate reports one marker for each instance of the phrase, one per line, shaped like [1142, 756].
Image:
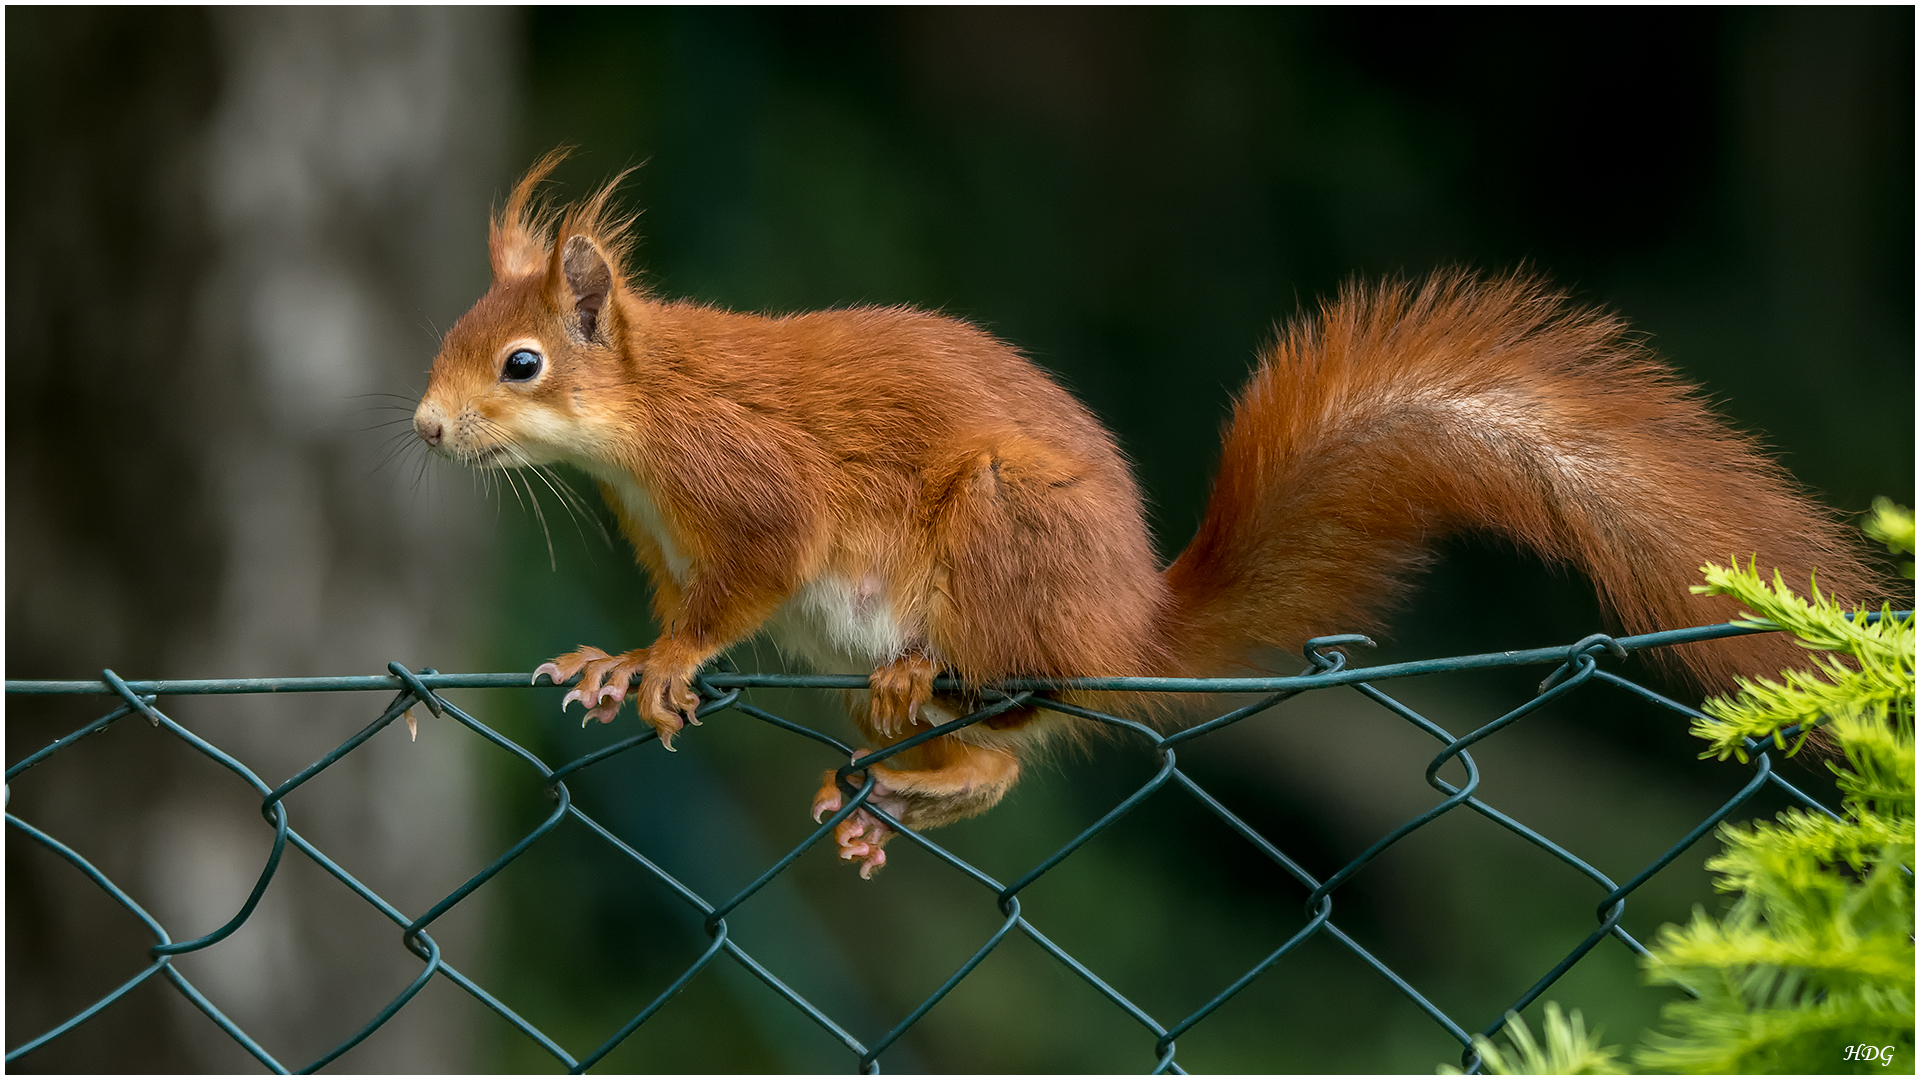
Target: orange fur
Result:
[899, 490]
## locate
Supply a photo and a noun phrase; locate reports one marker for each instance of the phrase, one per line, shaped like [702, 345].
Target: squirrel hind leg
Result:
[1040, 560]
[936, 782]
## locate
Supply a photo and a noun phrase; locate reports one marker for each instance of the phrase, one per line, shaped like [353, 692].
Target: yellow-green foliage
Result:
[1893, 526]
[1881, 684]
[1816, 953]
[1569, 1050]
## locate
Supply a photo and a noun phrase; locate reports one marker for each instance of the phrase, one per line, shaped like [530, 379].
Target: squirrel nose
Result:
[429, 427]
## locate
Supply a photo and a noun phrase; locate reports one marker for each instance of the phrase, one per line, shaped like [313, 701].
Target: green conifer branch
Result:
[1569, 1049]
[1816, 954]
[1880, 681]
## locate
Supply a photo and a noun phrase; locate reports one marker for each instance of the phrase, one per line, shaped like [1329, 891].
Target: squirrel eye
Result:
[524, 364]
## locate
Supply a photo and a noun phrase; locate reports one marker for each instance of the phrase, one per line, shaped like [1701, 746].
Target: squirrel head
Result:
[532, 374]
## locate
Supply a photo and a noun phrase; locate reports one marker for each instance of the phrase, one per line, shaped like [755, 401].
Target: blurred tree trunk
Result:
[227, 228]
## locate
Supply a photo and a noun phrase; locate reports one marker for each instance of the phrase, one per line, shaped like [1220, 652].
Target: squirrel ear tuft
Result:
[588, 281]
[517, 238]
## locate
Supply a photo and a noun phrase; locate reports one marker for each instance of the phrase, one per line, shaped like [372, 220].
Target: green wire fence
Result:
[1572, 669]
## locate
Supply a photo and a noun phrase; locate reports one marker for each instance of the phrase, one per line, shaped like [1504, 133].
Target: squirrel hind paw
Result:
[860, 838]
[897, 692]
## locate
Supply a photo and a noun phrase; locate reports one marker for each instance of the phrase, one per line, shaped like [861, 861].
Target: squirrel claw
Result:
[826, 802]
[572, 696]
[871, 857]
[550, 670]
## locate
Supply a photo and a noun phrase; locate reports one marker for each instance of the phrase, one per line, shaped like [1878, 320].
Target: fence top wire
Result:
[1573, 667]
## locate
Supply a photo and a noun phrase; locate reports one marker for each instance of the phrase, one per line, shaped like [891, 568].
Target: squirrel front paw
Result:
[603, 679]
[666, 700]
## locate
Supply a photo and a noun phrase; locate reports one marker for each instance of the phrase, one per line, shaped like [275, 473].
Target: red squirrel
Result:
[897, 491]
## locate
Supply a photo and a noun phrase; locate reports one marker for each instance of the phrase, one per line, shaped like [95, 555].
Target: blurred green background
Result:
[1136, 198]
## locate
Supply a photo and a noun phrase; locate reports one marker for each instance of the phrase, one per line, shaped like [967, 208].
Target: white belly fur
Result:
[836, 626]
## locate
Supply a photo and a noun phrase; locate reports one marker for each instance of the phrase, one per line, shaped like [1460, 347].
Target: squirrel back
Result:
[1399, 414]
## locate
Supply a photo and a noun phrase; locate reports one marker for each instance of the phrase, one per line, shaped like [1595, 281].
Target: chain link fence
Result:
[1572, 670]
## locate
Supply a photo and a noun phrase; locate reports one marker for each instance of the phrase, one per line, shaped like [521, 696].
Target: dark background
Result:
[1136, 198]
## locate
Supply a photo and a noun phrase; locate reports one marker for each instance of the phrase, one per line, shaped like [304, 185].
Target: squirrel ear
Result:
[586, 281]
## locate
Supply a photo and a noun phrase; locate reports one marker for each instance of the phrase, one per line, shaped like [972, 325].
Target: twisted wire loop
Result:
[721, 688]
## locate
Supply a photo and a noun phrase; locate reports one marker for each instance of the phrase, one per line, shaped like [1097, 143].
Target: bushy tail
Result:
[1401, 414]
